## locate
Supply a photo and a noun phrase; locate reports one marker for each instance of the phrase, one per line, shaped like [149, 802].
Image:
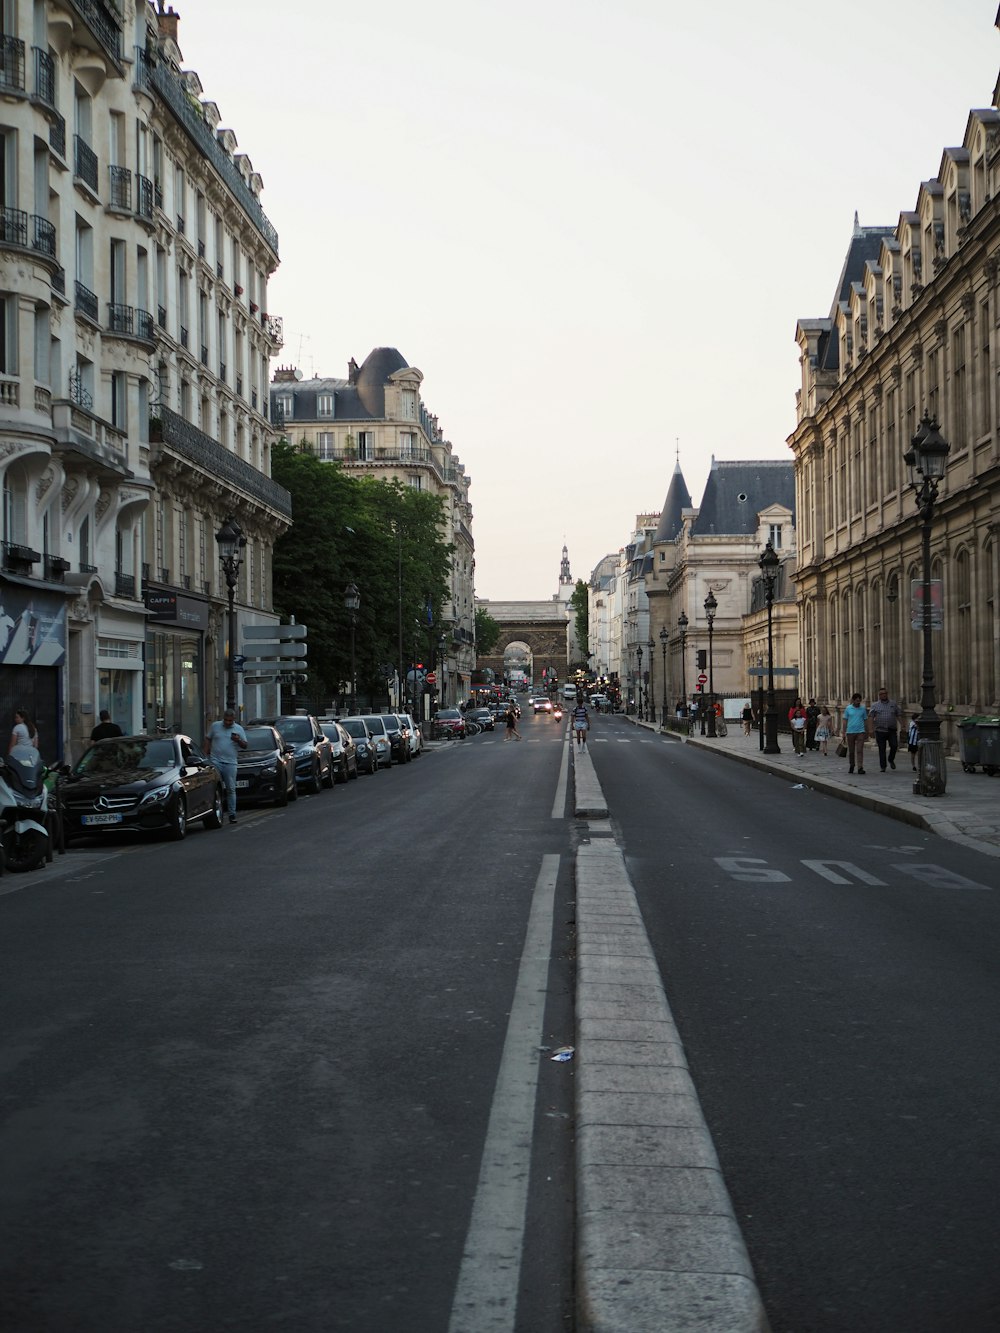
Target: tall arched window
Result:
[961, 640]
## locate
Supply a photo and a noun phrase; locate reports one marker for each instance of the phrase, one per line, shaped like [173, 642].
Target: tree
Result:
[579, 601]
[487, 632]
[385, 538]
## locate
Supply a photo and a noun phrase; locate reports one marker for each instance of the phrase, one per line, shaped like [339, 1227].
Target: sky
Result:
[592, 227]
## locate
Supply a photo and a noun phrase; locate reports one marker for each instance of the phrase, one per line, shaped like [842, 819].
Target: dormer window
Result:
[774, 535]
[324, 405]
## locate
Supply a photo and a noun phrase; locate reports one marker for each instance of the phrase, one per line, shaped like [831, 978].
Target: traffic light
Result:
[702, 658]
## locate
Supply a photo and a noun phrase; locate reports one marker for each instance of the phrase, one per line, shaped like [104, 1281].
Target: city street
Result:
[250, 1079]
[299, 1072]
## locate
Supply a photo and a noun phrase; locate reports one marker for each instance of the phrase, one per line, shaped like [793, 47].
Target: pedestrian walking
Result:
[223, 744]
[798, 721]
[23, 732]
[885, 716]
[913, 740]
[105, 729]
[747, 716]
[812, 721]
[855, 731]
[824, 729]
[510, 725]
[581, 724]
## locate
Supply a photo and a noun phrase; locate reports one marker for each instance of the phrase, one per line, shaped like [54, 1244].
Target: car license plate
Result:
[243, 782]
[101, 819]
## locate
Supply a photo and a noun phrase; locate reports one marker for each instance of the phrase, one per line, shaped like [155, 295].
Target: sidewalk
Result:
[968, 812]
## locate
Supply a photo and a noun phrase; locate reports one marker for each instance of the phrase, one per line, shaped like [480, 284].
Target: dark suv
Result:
[313, 752]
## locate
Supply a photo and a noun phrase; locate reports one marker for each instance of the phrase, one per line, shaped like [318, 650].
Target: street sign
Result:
[432, 678]
[702, 678]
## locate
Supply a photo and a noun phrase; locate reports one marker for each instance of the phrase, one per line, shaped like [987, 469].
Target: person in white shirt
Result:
[223, 744]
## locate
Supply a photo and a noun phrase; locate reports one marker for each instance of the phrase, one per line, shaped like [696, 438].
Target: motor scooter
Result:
[24, 802]
[557, 713]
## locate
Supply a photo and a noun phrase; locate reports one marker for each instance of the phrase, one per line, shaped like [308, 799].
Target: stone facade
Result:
[913, 328]
[122, 446]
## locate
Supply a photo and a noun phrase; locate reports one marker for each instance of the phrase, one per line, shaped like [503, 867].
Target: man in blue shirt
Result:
[855, 730]
[223, 744]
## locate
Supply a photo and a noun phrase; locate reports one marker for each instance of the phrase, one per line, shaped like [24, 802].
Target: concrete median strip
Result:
[658, 1245]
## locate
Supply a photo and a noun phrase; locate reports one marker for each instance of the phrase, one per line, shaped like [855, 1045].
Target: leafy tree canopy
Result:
[487, 632]
[581, 621]
[385, 538]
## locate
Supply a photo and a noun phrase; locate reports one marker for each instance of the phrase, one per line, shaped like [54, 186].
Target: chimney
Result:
[167, 20]
[284, 375]
[352, 371]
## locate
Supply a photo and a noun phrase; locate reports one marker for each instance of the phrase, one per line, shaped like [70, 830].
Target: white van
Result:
[569, 692]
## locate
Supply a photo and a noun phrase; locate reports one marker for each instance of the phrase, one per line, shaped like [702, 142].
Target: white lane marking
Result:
[848, 869]
[486, 1292]
[752, 868]
[559, 804]
[940, 878]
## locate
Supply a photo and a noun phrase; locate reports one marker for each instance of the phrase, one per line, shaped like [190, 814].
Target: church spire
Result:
[564, 575]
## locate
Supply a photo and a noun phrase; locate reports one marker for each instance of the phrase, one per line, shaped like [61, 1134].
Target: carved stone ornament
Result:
[968, 302]
[69, 489]
[45, 482]
[990, 267]
[896, 373]
[917, 354]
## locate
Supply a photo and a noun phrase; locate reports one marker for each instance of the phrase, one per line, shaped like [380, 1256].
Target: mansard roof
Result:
[865, 245]
[737, 492]
[678, 499]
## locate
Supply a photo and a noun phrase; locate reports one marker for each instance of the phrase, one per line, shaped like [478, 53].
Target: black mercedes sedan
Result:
[265, 770]
[141, 784]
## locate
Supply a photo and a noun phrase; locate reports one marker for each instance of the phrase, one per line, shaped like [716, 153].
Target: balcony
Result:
[120, 180]
[184, 336]
[124, 584]
[204, 355]
[58, 281]
[56, 568]
[89, 438]
[161, 316]
[45, 77]
[57, 135]
[103, 26]
[19, 559]
[145, 328]
[146, 195]
[121, 319]
[12, 64]
[219, 464]
[274, 327]
[27, 231]
[141, 69]
[84, 163]
[222, 371]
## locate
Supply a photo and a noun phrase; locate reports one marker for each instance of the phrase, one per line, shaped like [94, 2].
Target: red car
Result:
[451, 719]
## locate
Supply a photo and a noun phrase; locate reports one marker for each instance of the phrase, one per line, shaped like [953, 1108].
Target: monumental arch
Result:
[532, 634]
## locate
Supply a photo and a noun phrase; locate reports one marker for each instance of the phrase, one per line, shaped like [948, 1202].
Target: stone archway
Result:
[535, 631]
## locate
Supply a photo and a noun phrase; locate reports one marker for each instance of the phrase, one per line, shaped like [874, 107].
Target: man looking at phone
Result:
[223, 744]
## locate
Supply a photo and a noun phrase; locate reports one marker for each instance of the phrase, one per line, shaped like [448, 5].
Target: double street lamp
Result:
[231, 542]
[927, 458]
[663, 695]
[650, 692]
[711, 606]
[682, 625]
[638, 682]
[352, 601]
[770, 563]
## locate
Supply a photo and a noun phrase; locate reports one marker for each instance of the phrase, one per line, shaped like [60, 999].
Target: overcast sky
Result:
[591, 226]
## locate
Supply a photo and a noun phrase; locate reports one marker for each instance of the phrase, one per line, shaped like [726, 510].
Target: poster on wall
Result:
[32, 627]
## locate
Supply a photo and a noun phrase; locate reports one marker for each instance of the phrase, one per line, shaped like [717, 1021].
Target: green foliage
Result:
[385, 538]
[581, 620]
[487, 632]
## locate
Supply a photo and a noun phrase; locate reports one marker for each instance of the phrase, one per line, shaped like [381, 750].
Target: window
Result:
[774, 536]
[8, 335]
[324, 405]
[416, 481]
[958, 389]
[366, 444]
[408, 444]
[324, 446]
[118, 400]
[286, 406]
[409, 405]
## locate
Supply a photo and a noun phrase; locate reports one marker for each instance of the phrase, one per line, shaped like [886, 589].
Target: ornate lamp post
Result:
[638, 682]
[352, 600]
[770, 563]
[231, 543]
[442, 645]
[663, 695]
[682, 625]
[650, 692]
[927, 458]
[711, 605]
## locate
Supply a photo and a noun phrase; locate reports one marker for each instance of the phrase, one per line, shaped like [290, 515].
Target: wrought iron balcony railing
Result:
[85, 302]
[121, 188]
[45, 77]
[121, 318]
[104, 23]
[144, 201]
[144, 325]
[84, 162]
[12, 63]
[16, 556]
[57, 135]
[199, 448]
[124, 584]
[28, 231]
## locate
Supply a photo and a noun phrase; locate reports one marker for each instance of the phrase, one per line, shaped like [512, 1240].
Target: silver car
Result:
[416, 740]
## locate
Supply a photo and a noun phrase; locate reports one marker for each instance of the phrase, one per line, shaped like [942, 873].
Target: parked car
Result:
[265, 770]
[483, 716]
[364, 743]
[313, 756]
[451, 719]
[376, 725]
[416, 739]
[399, 737]
[345, 756]
[141, 784]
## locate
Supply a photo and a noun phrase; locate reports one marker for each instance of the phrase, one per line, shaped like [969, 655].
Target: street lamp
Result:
[663, 697]
[650, 692]
[442, 645]
[927, 458]
[711, 605]
[770, 563]
[231, 543]
[638, 683]
[682, 625]
[352, 600]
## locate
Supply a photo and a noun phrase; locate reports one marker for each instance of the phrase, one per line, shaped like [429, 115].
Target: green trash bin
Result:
[988, 729]
[970, 742]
